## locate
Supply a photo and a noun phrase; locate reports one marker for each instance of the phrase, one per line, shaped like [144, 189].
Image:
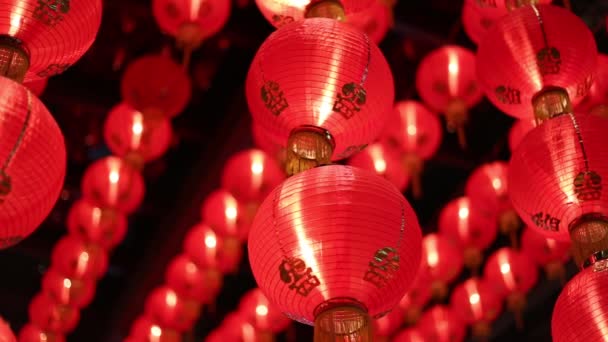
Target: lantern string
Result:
[542, 25]
[580, 140]
[369, 60]
[26, 122]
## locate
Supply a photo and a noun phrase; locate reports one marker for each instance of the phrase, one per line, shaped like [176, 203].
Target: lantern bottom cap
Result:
[190, 36]
[589, 236]
[551, 102]
[14, 59]
[307, 148]
[332, 9]
[342, 319]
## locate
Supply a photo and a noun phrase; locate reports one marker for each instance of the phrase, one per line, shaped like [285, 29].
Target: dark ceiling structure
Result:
[215, 125]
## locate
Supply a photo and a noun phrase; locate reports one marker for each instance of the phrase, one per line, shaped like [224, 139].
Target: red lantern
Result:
[128, 133]
[555, 174]
[261, 313]
[409, 335]
[51, 316]
[598, 93]
[382, 161]
[469, 227]
[477, 20]
[321, 116]
[375, 21]
[416, 298]
[112, 183]
[66, 291]
[222, 212]
[32, 333]
[45, 38]
[386, 326]
[32, 162]
[170, 310]
[145, 330]
[345, 243]
[156, 86]
[441, 324]
[202, 245]
[236, 328]
[581, 311]
[476, 303]
[442, 261]
[76, 259]
[103, 227]
[518, 131]
[546, 252]
[6, 334]
[535, 48]
[192, 282]
[37, 87]
[281, 12]
[447, 83]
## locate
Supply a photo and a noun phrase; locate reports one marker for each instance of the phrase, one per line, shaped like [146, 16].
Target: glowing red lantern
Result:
[409, 335]
[447, 83]
[261, 313]
[112, 183]
[66, 291]
[416, 298]
[103, 227]
[270, 145]
[235, 327]
[442, 261]
[171, 310]
[32, 333]
[222, 212]
[477, 20]
[460, 221]
[128, 133]
[37, 87]
[191, 21]
[202, 245]
[375, 21]
[386, 326]
[546, 252]
[320, 116]
[145, 330]
[156, 86]
[6, 334]
[42, 39]
[476, 303]
[334, 233]
[555, 180]
[192, 282]
[281, 12]
[76, 259]
[581, 310]
[537, 48]
[382, 161]
[518, 131]
[51, 316]
[32, 162]
[441, 324]
[597, 99]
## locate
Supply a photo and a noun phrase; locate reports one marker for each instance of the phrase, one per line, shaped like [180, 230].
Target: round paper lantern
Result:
[170, 310]
[145, 330]
[37, 87]
[6, 334]
[386, 326]
[262, 314]
[581, 310]
[235, 327]
[375, 21]
[130, 134]
[250, 175]
[66, 291]
[32, 333]
[191, 21]
[598, 93]
[51, 316]
[32, 162]
[460, 221]
[112, 183]
[546, 252]
[447, 83]
[409, 335]
[418, 295]
[518, 131]
[536, 48]
[345, 243]
[281, 12]
[477, 20]
[477, 304]
[382, 161]
[76, 259]
[44, 38]
[321, 116]
[103, 227]
[156, 86]
[191, 282]
[441, 324]
[442, 260]
[222, 212]
[202, 245]
[555, 179]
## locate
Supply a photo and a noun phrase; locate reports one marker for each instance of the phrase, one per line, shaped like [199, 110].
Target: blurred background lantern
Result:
[375, 21]
[384, 162]
[416, 298]
[548, 253]
[518, 131]
[191, 281]
[6, 334]
[101, 226]
[32, 333]
[262, 314]
[442, 261]
[476, 304]
[441, 324]
[170, 310]
[52, 316]
[145, 330]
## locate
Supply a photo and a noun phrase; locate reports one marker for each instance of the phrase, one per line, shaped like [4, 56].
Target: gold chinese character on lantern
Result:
[383, 267]
[350, 101]
[508, 95]
[293, 271]
[588, 186]
[549, 60]
[51, 12]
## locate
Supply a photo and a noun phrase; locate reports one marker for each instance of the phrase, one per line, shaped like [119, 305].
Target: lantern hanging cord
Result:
[542, 25]
[369, 60]
[580, 140]
[26, 122]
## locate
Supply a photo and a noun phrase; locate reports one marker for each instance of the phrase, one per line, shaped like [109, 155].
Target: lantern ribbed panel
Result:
[55, 34]
[335, 219]
[126, 130]
[156, 83]
[445, 74]
[32, 154]
[6, 334]
[209, 15]
[441, 324]
[323, 73]
[375, 21]
[549, 184]
[409, 335]
[111, 183]
[581, 311]
[384, 162]
[598, 94]
[94, 224]
[37, 87]
[414, 129]
[252, 306]
[475, 301]
[509, 271]
[542, 249]
[514, 62]
[467, 225]
[487, 188]
[281, 12]
[442, 258]
[518, 131]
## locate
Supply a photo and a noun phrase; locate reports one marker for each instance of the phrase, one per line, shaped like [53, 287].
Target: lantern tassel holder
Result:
[307, 148]
[473, 259]
[189, 38]
[332, 9]
[342, 319]
[14, 60]
[439, 290]
[551, 102]
[516, 302]
[457, 116]
[414, 166]
[509, 224]
[589, 235]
